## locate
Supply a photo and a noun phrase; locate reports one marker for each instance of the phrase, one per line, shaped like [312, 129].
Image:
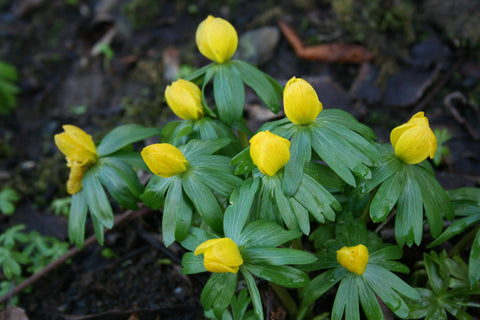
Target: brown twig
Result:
[330, 52]
[123, 218]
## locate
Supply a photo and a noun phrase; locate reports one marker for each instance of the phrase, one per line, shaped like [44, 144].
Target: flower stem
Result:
[286, 299]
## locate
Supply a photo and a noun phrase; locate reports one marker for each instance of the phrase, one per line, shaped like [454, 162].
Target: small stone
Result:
[364, 87]
[408, 86]
[257, 46]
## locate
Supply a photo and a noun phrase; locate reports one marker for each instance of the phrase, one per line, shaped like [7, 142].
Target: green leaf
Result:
[131, 158]
[8, 71]
[455, 228]
[369, 302]
[192, 264]
[282, 275]
[195, 148]
[123, 136]
[381, 286]
[121, 182]
[344, 118]
[180, 134]
[346, 300]
[316, 199]
[335, 153]
[177, 214]
[197, 74]
[218, 292]
[254, 293]
[196, 237]
[229, 93]
[386, 279]
[266, 88]
[409, 219]
[284, 208]
[301, 215]
[265, 234]
[300, 153]
[318, 286]
[386, 197]
[381, 173]
[237, 212]
[167, 134]
[435, 200]
[276, 256]
[96, 198]
[243, 162]
[474, 261]
[324, 175]
[77, 219]
[98, 228]
[222, 182]
[204, 201]
[7, 198]
[154, 193]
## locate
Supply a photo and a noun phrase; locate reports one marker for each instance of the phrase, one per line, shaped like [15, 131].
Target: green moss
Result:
[141, 13]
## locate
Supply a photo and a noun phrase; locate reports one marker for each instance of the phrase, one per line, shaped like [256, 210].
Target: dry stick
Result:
[126, 216]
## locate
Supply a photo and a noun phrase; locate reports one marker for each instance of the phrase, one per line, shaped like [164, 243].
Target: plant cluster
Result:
[23, 253]
[8, 88]
[287, 205]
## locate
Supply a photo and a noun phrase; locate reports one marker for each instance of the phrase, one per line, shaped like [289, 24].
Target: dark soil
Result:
[62, 81]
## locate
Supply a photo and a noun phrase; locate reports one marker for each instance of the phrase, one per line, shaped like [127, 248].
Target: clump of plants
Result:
[23, 254]
[292, 205]
[8, 88]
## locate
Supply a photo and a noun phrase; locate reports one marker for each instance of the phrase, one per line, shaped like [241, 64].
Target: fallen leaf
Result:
[331, 52]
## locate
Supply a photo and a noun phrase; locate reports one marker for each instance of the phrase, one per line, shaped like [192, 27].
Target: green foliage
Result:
[448, 289]
[377, 281]
[376, 21]
[8, 88]
[465, 202]
[23, 253]
[414, 190]
[113, 172]
[61, 206]
[8, 197]
[336, 174]
[442, 150]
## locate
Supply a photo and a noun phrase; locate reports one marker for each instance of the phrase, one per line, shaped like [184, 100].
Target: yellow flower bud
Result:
[414, 141]
[216, 39]
[80, 152]
[354, 259]
[220, 255]
[164, 160]
[269, 152]
[300, 102]
[185, 99]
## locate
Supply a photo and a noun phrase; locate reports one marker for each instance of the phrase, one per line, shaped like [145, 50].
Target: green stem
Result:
[286, 299]
[466, 240]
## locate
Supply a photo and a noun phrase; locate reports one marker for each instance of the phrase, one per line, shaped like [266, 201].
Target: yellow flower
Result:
[220, 255]
[164, 160]
[414, 141]
[300, 102]
[80, 152]
[216, 39]
[354, 259]
[269, 152]
[185, 99]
